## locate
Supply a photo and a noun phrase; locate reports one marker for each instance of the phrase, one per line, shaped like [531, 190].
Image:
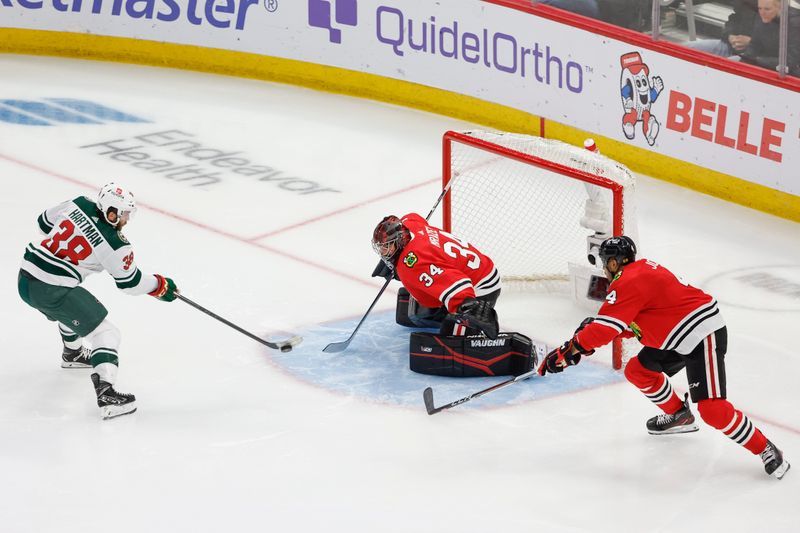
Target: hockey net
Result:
[538, 207]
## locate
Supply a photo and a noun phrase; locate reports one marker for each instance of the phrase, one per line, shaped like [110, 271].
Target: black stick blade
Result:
[427, 396]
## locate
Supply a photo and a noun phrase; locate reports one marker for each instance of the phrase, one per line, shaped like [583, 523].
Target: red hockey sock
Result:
[654, 385]
[721, 414]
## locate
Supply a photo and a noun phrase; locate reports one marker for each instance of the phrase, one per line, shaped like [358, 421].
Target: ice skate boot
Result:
[680, 422]
[78, 358]
[111, 402]
[774, 463]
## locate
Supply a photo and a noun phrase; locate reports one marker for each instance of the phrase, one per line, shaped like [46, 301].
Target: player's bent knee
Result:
[106, 335]
[638, 375]
[716, 412]
[510, 354]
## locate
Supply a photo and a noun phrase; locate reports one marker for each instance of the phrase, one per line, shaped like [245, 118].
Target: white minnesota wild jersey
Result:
[80, 242]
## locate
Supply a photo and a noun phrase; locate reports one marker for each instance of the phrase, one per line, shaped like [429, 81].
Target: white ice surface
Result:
[231, 436]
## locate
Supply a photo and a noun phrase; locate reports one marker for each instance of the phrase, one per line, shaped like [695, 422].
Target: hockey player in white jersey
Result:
[84, 237]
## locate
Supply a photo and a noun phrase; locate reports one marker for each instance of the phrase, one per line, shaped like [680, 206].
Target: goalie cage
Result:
[539, 208]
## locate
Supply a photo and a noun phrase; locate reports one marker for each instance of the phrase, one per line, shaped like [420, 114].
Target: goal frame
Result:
[616, 189]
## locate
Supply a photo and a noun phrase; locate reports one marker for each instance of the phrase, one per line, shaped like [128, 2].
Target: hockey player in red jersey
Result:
[449, 280]
[450, 285]
[680, 326]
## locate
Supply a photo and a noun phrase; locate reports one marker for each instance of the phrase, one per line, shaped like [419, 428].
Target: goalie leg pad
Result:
[410, 314]
[401, 311]
[510, 354]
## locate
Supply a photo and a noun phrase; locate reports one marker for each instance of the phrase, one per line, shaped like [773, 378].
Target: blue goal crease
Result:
[375, 367]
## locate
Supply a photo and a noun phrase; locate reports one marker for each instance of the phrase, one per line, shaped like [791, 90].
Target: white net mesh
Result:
[530, 204]
[533, 221]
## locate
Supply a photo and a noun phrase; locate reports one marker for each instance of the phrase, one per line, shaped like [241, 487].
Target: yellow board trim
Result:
[407, 94]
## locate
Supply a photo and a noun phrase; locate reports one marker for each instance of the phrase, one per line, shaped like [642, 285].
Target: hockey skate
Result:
[112, 403]
[680, 422]
[774, 463]
[79, 358]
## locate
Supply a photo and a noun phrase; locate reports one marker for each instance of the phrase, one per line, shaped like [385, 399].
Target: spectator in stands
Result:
[735, 34]
[587, 8]
[765, 38]
[793, 55]
[631, 14]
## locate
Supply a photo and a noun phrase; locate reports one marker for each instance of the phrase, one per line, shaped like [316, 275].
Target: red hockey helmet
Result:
[389, 237]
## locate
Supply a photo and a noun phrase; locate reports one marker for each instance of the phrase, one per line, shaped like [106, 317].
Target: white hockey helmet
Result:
[117, 197]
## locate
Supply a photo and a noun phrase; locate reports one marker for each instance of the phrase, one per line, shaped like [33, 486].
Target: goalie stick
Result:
[284, 346]
[427, 394]
[341, 346]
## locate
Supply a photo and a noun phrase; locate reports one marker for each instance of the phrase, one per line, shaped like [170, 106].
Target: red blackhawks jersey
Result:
[439, 269]
[658, 308]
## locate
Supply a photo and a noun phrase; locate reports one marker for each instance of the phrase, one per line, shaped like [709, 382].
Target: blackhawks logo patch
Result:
[410, 260]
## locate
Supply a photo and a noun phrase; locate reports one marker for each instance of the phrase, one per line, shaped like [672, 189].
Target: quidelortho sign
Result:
[651, 100]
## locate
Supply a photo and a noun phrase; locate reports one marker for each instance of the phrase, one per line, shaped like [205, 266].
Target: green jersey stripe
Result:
[44, 224]
[101, 356]
[126, 278]
[49, 267]
[137, 277]
[57, 261]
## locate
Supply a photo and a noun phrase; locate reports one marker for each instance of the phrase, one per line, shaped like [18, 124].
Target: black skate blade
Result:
[73, 364]
[781, 470]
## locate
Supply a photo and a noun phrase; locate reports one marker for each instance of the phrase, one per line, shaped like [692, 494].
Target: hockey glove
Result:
[384, 270]
[166, 290]
[477, 314]
[562, 357]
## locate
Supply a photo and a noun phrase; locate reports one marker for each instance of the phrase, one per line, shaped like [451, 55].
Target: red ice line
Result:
[253, 240]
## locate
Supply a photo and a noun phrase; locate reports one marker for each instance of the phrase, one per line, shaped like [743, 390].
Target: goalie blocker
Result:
[510, 354]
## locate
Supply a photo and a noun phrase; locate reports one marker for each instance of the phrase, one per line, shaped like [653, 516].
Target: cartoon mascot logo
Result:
[638, 95]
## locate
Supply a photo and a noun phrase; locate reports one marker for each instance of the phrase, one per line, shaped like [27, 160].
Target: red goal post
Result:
[535, 206]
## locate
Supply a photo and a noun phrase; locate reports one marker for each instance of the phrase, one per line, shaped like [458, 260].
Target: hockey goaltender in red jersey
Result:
[680, 326]
[450, 285]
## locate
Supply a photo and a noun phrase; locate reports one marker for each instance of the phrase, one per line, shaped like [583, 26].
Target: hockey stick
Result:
[336, 347]
[427, 394]
[284, 346]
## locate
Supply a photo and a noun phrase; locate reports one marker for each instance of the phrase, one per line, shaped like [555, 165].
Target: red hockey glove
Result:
[560, 358]
[166, 290]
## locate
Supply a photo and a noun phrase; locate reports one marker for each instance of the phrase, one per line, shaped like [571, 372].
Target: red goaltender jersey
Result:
[438, 269]
[657, 307]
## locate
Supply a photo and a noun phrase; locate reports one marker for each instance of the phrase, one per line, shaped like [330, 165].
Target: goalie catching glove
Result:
[385, 270]
[166, 291]
[562, 357]
[480, 315]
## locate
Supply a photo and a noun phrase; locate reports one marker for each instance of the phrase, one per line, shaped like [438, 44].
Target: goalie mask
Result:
[116, 199]
[621, 248]
[389, 238]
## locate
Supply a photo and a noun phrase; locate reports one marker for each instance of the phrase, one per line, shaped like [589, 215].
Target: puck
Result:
[287, 348]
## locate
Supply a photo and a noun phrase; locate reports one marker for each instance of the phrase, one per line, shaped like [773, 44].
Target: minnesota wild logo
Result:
[410, 260]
